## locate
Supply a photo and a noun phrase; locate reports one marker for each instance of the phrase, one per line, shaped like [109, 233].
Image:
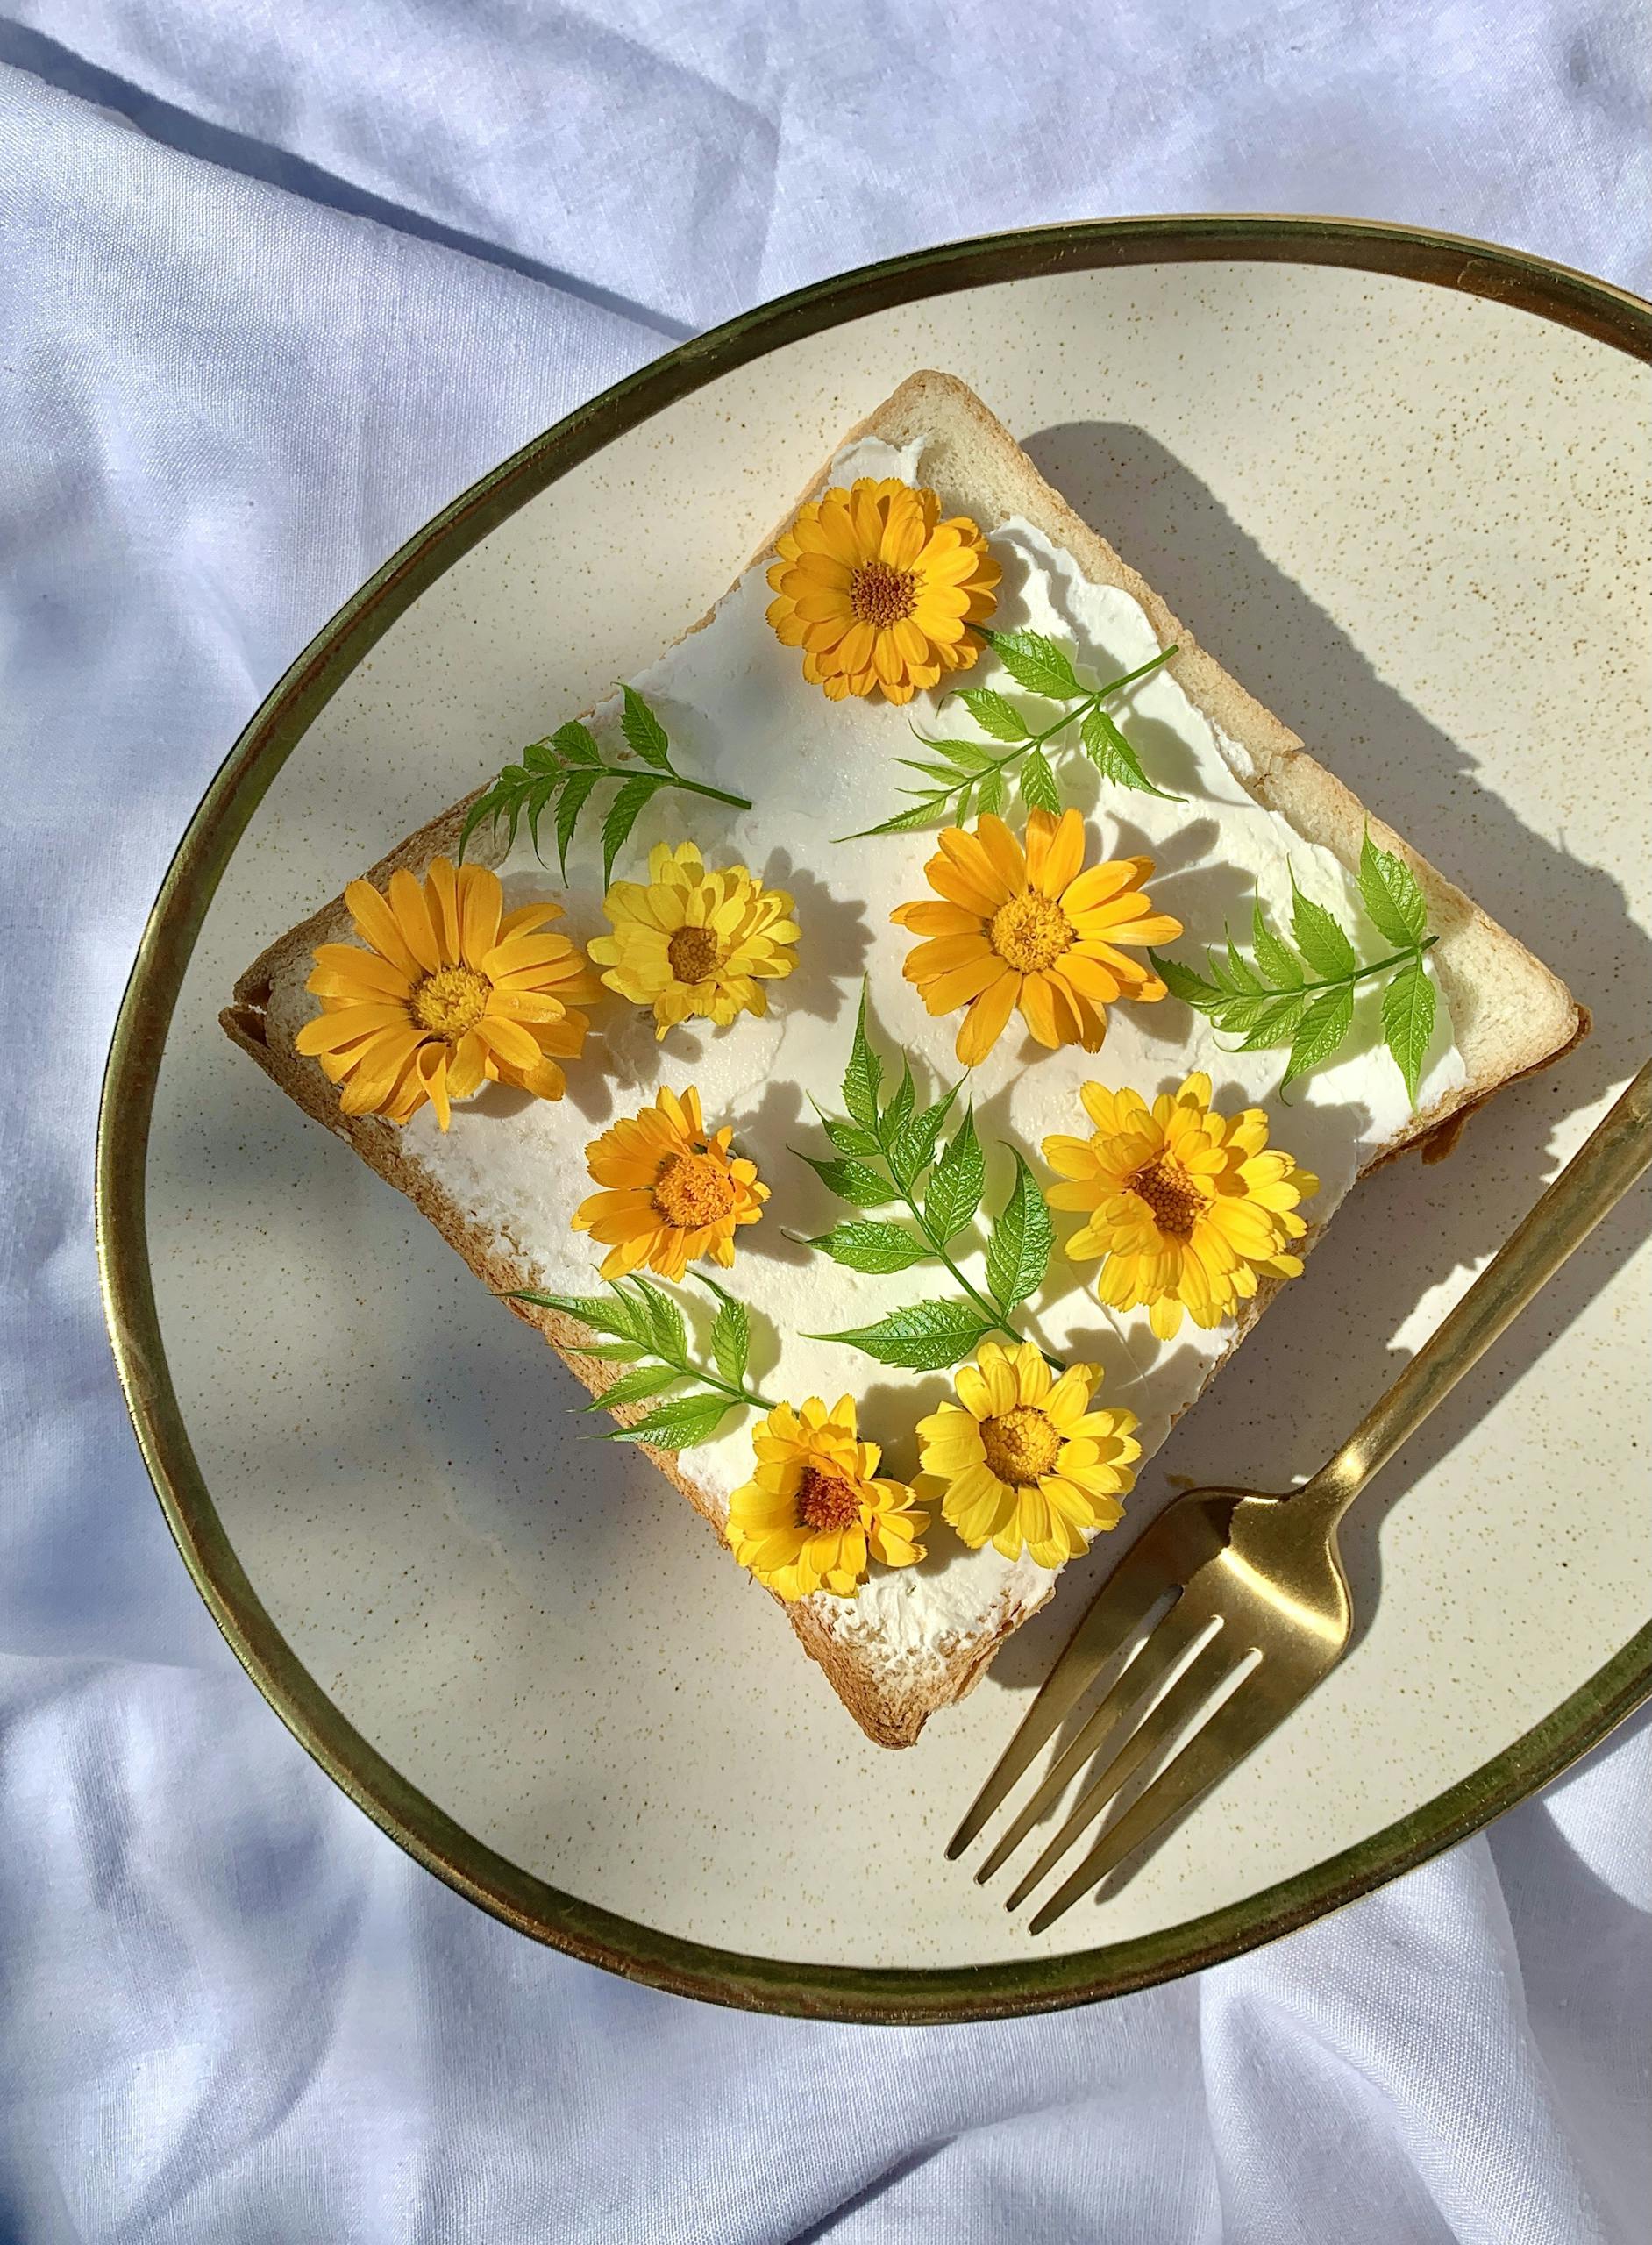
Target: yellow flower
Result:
[1024, 1459]
[1185, 1205]
[814, 1510]
[672, 1193]
[692, 942]
[879, 592]
[1035, 930]
[452, 991]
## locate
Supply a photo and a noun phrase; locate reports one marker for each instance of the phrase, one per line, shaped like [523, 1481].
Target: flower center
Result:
[692, 1190]
[881, 595]
[451, 1004]
[693, 952]
[824, 1501]
[1020, 1445]
[1176, 1202]
[1030, 932]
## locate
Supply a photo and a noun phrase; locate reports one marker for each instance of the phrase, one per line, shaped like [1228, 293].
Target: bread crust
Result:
[1511, 1016]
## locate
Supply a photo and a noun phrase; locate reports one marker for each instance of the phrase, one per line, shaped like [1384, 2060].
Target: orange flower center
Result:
[1175, 1201]
[452, 1003]
[824, 1501]
[691, 953]
[1020, 1445]
[692, 1190]
[1030, 932]
[881, 595]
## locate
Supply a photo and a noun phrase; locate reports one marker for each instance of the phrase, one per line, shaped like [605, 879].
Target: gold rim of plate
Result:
[1530, 284]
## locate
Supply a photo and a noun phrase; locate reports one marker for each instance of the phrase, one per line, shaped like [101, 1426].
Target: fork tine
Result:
[1142, 1577]
[1238, 1726]
[1192, 1688]
[1159, 1654]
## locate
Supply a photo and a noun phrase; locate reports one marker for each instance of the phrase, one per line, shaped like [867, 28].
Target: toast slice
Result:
[1254, 809]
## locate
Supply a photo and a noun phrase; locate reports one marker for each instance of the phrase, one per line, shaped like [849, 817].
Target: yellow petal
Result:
[984, 1022]
[1002, 852]
[507, 1041]
[1038, 1009]
[479, 901]
[376, 1077]
[431, 1063]
[347, 965]
[1065, 857]
[332, 1032]
[441, 894]
[378, 926]
[413, 918]
[950, 991]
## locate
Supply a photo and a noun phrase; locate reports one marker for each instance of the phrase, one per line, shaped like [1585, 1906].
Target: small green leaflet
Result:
[1301, 993]
[619, 1315]
[632, 1387]
[850, 1137]
[874, 1247]
[1034, 662]
[959, 755]
[576, 793]
[565, 770]
[651, 1334]
[666, 1325]
[852, 1181]
[908, 822]
[956, 1182]
[1276, 961]
[967, 776]
[864, 1075]
[890, 1150]
[925, 1337]
[1408, 1011]
[1321, 939]
[731, 1339]
[898, 1114]
[1267, 1020]
[680, 1424]
[992, 713]
[1018, 1246]
[1320, 1029]
[1182, 982]
[1038, 789]
[1393, 900]
[622, 814]
[1113, 758]
[912, 1143]
[645, 735]
[572, 742]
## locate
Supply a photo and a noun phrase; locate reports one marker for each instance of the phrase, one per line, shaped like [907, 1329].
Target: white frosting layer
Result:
[738, 712]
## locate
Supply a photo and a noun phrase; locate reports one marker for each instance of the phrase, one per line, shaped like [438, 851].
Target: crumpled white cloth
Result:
[349, 258]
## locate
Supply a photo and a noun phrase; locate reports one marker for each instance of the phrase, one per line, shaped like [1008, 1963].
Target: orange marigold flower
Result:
[880, 592]
[672, 1193]
[1185, 1206]
[815, 1511]
[1033, 928]
[452, 991]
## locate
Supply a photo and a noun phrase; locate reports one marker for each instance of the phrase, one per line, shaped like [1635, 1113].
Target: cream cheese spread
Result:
[739, 713]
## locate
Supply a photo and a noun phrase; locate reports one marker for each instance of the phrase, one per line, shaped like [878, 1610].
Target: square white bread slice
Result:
[1256, 809]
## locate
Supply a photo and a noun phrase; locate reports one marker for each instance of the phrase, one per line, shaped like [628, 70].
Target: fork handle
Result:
[1616, 1152]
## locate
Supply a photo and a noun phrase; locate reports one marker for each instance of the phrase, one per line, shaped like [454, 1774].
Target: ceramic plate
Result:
[1395, 483]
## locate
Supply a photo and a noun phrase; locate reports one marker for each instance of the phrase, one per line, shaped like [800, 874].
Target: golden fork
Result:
[1255, 1583]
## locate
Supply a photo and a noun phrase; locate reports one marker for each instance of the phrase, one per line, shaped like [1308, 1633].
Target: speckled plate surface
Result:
[1396, 483]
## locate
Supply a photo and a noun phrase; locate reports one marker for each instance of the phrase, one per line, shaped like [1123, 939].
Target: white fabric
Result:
[353, 255]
